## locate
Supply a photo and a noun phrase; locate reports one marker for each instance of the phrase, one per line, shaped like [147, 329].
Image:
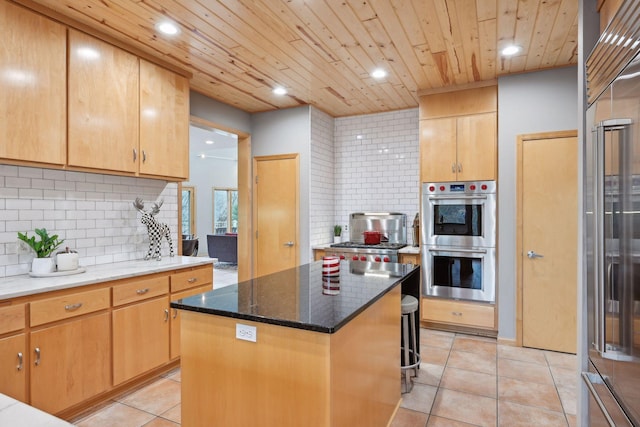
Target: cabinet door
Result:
[70, 362]
[33, 86]
[103, 105]
[140, 338]
[438, 150]
[164, 122]
[477, 147]
[175, 317]
[13, 377]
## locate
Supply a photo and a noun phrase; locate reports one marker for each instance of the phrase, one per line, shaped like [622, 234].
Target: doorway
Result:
[547, 241]
[231, 150]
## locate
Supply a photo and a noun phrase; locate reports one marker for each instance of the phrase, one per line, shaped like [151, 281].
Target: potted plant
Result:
[337, 231]
[43, 248]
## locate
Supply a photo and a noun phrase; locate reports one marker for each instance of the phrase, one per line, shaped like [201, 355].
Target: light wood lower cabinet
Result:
[65, 350]
[318, 254]
[13, 377]
[140, 338]
[70, 362]
[461, 313]
[409, 259]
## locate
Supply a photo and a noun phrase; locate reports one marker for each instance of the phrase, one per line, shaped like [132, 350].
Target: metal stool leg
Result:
[405, 348]
[414, 354]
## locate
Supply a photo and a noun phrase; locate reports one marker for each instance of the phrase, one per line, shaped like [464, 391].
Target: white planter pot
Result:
[336, 239]
[43, 265]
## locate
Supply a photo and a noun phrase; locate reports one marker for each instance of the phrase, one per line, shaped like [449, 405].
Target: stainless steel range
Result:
[392, 231]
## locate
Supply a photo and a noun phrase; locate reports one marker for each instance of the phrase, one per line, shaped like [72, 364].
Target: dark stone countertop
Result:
[302, 297]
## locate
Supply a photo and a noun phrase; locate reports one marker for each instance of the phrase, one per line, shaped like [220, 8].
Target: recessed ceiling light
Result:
[378, 73]
[168, 28]
[359, 136]
[510, 50]
[208, 141]
[279, 90]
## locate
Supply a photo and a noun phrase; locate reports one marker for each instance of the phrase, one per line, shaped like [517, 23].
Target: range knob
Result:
[378, 259]
[355, 258]
[484, 186]
[363, 258]
[432, 188]
[442, 188]
[386, 259]
[472, 187]
[342, 257]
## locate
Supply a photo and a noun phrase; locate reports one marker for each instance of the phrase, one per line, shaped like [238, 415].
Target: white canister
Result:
[67, 261]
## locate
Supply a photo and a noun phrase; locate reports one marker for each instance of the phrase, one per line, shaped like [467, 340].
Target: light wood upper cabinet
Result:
[103, 105]
[164, 122]
[477, 149]
[458, 135]
[438, 150]
[33, 85]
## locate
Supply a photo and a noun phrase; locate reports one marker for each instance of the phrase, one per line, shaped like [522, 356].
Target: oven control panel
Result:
[469, 187]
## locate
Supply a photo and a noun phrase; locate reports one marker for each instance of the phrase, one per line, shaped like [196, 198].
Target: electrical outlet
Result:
[246, 332]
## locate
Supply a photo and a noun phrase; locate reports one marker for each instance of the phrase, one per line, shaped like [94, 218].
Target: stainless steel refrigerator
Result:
[612, 221]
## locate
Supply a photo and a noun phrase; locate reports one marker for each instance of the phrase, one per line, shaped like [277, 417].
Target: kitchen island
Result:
[296, 348]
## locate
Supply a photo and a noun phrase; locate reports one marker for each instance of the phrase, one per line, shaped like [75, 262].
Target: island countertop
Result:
[302, 297]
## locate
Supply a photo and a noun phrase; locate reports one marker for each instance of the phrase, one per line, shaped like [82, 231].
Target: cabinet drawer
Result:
[63, 307]
[12, 318]
[457, 312]
[189, 279]
[140, 290]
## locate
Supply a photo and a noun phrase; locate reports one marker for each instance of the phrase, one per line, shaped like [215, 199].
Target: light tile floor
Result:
[463, 380]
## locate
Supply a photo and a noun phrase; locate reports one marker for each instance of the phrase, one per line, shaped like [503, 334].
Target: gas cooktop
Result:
[360, 245]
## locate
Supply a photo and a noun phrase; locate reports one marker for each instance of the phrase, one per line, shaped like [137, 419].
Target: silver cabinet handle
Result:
[20, 360]
[532, 255]
[135, 154]
[142, 291]
[166, 314]
[459, 167]
[193, 280]
[453, 168]
[456, 313]
[289, 244]
[144, 156]
[37, 351]
[175, 313]
[73, 307]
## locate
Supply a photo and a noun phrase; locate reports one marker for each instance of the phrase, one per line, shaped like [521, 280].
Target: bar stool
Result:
[410, 357]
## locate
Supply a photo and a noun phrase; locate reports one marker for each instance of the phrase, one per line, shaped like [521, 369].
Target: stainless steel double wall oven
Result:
[459, 240]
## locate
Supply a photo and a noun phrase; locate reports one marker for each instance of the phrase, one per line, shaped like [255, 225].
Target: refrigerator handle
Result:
[601, 278]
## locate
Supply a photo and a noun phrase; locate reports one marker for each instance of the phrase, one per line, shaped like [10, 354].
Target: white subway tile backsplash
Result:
[92, 212]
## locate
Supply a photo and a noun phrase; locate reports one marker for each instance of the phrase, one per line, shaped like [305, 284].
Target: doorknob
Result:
[532, 254]
[289, 244]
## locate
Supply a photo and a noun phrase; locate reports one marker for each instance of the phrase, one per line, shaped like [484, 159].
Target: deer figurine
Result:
[157, 230]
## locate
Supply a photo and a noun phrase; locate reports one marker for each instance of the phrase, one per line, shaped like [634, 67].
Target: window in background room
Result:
[188, 210]
[225, 210]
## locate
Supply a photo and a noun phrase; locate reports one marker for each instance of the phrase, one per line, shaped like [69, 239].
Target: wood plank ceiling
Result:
[322, 52]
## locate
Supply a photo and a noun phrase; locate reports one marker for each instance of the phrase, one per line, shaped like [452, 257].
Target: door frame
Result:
[519, 221]
[245, 196]
[254, 246]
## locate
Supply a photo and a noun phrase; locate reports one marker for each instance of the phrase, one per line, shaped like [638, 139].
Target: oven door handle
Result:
[460, 197]
[464, 250]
